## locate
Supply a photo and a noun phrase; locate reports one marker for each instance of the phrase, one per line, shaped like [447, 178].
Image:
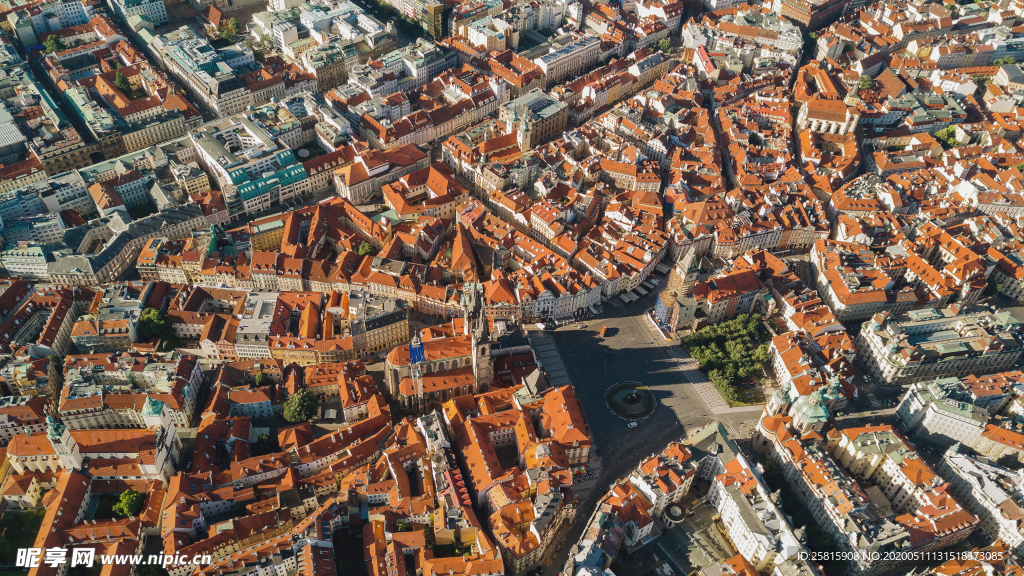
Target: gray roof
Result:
[1013, 73]
[155, 223]
[90, 264]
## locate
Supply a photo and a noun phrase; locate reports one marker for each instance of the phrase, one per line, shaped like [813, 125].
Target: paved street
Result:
[631, 350]
[550, 360]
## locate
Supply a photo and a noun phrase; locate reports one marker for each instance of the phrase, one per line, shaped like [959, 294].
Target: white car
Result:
[632, 424]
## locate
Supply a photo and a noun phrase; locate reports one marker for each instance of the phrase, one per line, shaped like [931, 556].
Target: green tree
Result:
[18, 530]
[300, 407]
[129, 504]
[153, 324]
[998, 62]
[266, 444]
[6, 551]
[994, 287]
[53, 44]
[262, 380]
[229, 30]
[123, 84]
[147, 570]
[866, 83]
[366, 249]
[947, 137]
[810, 42]
[762, 353]
[665, 45]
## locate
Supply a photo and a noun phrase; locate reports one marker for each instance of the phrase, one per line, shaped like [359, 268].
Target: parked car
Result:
[632, 424]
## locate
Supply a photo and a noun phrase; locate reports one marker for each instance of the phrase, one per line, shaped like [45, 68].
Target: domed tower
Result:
[63, 444]
[168, 445]
[156, 415]
[832, 395]
[779, 401]
[809, 413]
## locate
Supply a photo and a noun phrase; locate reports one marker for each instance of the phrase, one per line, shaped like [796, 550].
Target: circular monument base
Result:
[630, 400]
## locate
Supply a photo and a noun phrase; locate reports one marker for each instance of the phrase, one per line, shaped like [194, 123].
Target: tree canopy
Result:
[129, 504]
[153, 324]
[18, 530]
[728, 352]
[366, 249]
[947, 137]
[265, 444]
[147, 570]
[300, 407]
[229, 30]
[866, 82]
[123, 84]
[262, 380]
[53, 44]
[665, 45]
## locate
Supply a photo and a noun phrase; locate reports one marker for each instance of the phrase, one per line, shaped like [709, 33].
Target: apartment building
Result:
[867, 488]
[853, 286]
[727, 295]
[208, 73]
[254, 170]
[22, 415]
[45, 229]
[361, 181]
[536, 116]
[25, 261]
[926, 344]
[949, 410]
[570, 60]
[991, 492]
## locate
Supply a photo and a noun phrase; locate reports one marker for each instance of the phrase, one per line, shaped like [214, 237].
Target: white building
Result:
[940, 411]
[569, 60]
[756, 526]
[927, 344]
[993, 493]
[155, 10]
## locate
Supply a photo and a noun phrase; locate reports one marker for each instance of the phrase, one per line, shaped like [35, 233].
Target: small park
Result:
[731, 353]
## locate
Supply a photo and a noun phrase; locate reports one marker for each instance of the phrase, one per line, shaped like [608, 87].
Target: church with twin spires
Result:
[446, 363]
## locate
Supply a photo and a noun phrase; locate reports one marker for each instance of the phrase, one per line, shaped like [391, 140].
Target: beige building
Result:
[827, 116]
[926, 344]
[536, 116]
